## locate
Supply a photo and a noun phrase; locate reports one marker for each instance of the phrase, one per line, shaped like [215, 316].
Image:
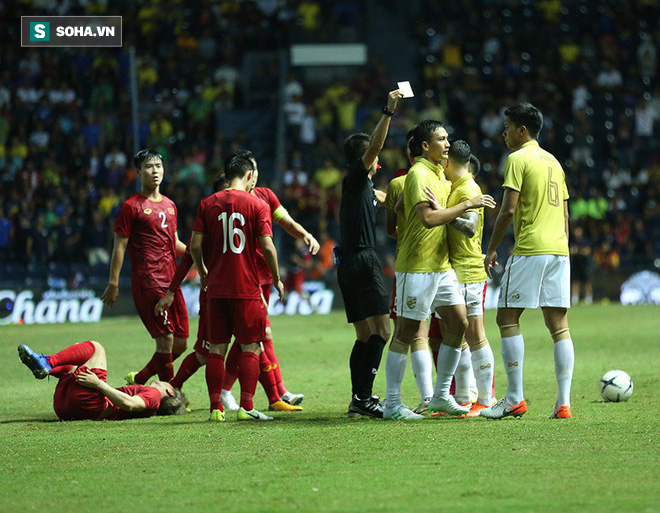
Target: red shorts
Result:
[75, 402]
[393, 303]
[245, 319]
[174, 319]
[265, 290]
[202, 343]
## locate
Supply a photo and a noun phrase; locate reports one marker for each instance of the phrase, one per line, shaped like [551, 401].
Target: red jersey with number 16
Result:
[233, 221]
[151, 230]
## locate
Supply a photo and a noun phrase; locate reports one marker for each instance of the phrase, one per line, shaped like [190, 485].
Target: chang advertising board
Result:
[49, 307]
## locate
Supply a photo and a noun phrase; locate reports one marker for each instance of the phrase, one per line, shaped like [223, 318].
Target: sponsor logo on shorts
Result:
[411, 302]
[473, 303]
[512, 364]
[487, 366]
[515, 296]
[147, 211]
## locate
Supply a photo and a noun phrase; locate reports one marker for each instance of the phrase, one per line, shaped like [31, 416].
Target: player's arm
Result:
[502, 222]
[390, 227]
[296, 230]
[380, 196]
[111, 292]
[270, 255]
[181, 271]
[179, 246]
[120, 399]
[431, 217]
[380, 132]
[466, 223]
[566, 226]
[197, 256]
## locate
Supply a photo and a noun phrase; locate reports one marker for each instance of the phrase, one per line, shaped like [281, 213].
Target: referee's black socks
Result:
[373, 353]
[356, 363]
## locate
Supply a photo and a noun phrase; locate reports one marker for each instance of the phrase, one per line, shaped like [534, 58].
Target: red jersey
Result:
[233, 221]
[267, 195]
[151, 230]
[150, 396]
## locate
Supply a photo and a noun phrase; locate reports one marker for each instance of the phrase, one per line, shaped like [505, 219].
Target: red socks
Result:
[267, 378]
[231, 366]
[189, 366]
[248, 375]
[161, 364]
[215, 375]
[270, 352]
[77, 354]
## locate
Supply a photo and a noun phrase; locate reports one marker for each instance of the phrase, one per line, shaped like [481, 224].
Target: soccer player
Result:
[464, 238]
[425, 280]
[146, 224]
[235, 222]
[83, 394]
[538, 271]
[420, 356]
[359, 273]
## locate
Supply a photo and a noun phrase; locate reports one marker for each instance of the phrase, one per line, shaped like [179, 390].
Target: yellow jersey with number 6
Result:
[538, 222]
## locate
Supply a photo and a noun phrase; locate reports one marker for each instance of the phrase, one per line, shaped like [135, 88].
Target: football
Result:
[616, 386]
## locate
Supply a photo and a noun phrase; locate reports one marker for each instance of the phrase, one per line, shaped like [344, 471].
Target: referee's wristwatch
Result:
[387, 112]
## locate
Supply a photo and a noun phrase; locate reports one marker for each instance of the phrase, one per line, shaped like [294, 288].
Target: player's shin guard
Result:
[77, 354]
[267, 378]
[248, 375]
[269, 349]
[165, 368]
[189, 366]
[370, 365]
[215, 374]
[231, 366]
[513, 354]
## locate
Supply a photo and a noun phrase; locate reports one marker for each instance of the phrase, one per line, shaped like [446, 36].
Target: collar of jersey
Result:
[533, 142]
[436, 168]
[460, 181]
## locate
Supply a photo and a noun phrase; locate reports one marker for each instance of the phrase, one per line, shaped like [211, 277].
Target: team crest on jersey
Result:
[147, 211]
[411, 302]
[170, 211]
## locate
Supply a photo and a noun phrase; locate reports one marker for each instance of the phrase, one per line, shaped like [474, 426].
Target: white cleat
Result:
[503, 409]
[422, 407]
[228, 401]
[400, 412]
[252, 414]
[293, 399]
[448, 406]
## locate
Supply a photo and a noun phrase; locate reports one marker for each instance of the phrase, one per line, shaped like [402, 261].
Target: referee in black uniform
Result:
[360, 273]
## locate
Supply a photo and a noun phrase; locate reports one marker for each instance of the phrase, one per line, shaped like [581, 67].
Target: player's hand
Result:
[393, 99]
[164, 303]
[489, 262]
[280, 288]
[433, 200]
[88, 379]
[110, 295]
[312, 244]
[484, 200]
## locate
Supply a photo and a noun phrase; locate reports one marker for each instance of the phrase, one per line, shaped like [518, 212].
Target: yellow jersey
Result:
[538, 222]
[394, 190]
[465, 253]
[423, 250]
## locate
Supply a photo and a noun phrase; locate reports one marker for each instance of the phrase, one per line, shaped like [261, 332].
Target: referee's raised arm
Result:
[380, 132]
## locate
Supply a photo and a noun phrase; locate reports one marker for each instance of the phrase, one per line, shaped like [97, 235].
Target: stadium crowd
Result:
[65, 124]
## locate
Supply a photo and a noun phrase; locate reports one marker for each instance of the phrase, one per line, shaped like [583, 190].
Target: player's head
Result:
[411, 152]
[219, 182]
[430, 140]
[239, 168]
[459, 158]
[172, 400]
[356, 145]
[522, 123]
[249, 155]
[474, 165]
[149, 164]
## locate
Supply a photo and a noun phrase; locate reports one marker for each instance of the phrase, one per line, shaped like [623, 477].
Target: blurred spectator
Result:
[606, 257]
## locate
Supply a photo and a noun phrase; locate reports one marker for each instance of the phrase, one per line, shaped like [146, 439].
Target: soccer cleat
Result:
[476, 408]
[252, 414]
[422, 407]
[217, 416]
[228, 401]
[130, 378]
[36, 362]
[400, 412]
[293, 399]
[563, 412]
[365, 408]
[448, 406]
[503, 409]
[282, 406]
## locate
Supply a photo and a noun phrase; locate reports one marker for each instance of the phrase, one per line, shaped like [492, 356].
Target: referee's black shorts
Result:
[362, 286]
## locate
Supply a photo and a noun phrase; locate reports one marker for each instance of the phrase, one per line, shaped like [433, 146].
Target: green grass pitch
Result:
[605, 459]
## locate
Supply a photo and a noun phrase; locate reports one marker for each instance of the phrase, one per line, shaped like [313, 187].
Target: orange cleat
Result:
[282, 406]
[476, 408]
[563, 412]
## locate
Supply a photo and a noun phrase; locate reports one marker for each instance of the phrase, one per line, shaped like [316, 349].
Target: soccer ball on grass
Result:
[616, 386]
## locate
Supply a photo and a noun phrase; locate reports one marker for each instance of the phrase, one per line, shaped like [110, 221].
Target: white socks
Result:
[463, 378]
[513, 353]
[483, 364]
[422, 365]
[448, 358]
[564, 361]
[395, 368]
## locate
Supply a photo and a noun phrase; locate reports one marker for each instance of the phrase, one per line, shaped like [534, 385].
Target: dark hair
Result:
[246, 154]
[238, 167]
[219, 182]
[143, 155]
[422, 132]
[459, 151]
[528, 115]
[173, 404]
[410, 137]
[355, 146]
[475, 165]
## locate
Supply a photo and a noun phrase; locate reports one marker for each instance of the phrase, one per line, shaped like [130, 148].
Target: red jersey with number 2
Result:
[233, 220]
[151, 230]
[267, 195]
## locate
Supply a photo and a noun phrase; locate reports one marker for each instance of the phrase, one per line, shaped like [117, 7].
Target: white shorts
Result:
[474, 293]
[419, 293]
[536, 280]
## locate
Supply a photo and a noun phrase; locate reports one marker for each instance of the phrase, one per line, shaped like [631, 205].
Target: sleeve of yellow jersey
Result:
[393, 192]
[513, 173]
[566, 195]
[414, 189]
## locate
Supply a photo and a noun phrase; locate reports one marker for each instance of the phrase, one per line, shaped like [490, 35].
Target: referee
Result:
[360, 273]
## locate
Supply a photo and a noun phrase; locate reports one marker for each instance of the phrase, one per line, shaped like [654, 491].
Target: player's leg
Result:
[276, 369]
[362, 333]
[379, 334]
[556, 320]
[435, 336]
[219, 325]
[60, 362]
[463, 376]
[178, 315]
[422, 366]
